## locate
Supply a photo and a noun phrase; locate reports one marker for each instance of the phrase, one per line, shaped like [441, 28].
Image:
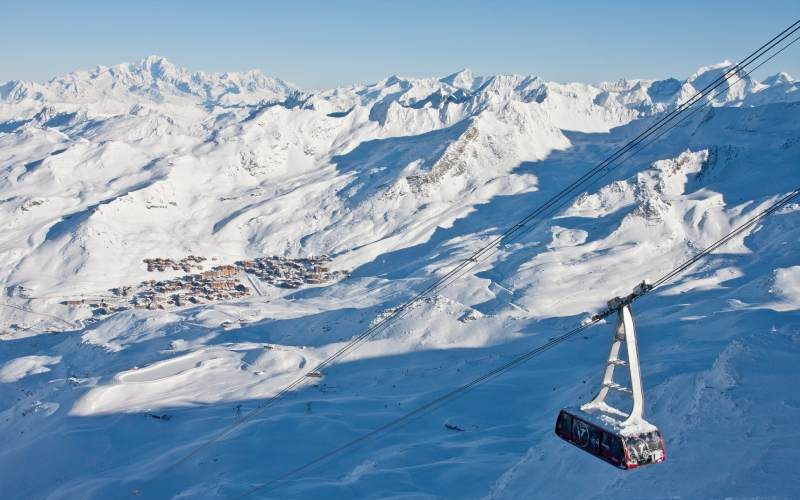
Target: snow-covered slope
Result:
[395, 181]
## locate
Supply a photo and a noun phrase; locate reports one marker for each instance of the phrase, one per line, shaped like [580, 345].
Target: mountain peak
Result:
[708, 74]
[158, 67]
[777, 78]
[460, 79]
[155, 61]
[713, 69]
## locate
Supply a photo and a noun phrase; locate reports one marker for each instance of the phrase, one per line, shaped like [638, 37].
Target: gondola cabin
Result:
[609, 444]
[623, 439]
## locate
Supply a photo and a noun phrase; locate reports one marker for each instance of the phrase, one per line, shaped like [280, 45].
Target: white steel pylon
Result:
[625, 331]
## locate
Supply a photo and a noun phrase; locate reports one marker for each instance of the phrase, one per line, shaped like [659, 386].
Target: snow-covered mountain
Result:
[366, 193]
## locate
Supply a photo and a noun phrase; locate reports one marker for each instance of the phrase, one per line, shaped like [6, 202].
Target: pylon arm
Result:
[624, 335]
[617, 302]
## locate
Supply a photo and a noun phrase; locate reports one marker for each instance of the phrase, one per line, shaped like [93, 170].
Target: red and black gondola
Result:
[606, 443]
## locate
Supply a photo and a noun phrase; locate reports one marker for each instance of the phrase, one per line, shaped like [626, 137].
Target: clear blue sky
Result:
[318, 44]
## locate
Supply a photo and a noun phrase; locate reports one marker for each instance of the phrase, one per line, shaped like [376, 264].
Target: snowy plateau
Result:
[177, 246]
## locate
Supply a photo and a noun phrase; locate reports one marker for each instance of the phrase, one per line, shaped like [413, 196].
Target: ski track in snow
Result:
[395, 181]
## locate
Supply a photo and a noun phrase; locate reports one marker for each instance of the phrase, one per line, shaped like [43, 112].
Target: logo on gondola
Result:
[580, 433]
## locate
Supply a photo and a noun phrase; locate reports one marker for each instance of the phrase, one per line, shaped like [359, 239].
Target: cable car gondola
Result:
[625, 440]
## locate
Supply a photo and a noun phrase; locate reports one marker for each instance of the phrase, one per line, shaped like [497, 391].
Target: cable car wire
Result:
[689, 263]
[518, 228]
[521, 358]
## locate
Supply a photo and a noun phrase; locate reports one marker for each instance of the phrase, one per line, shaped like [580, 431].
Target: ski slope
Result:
[397, 182]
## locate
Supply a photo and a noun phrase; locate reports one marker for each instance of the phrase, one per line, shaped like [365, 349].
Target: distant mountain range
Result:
[105, 172]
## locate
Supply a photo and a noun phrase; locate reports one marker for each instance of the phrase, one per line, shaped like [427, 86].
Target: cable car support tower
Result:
[625, 332]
